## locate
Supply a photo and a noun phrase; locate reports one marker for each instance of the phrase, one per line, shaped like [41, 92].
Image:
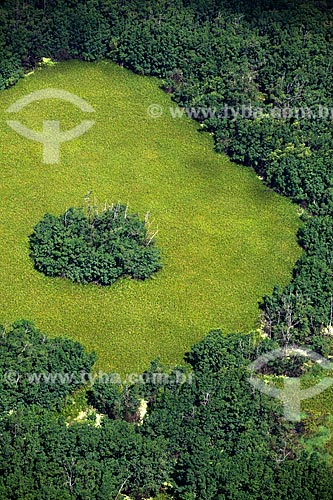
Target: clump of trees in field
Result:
[95, 246]
[275, 55]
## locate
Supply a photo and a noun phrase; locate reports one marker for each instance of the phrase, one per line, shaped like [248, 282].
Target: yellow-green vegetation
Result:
[319, 420]
[225, 238]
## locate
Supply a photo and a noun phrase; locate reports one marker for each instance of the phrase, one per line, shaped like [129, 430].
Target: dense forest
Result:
[207, 436]
[214, 438]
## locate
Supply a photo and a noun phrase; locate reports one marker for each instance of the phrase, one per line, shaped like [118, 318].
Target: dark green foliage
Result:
[105, 397]
[97, 247]
[43, 459]
[10, 72]
[28, 357]
[116, 402]
[89, 32]
[59, 29]
[304, 309]
[211, 436]
[226, 440]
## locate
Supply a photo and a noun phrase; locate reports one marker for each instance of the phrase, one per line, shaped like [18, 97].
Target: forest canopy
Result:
[207, 436]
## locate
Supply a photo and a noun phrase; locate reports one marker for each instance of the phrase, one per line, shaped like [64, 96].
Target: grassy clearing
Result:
[319, 412]
[225, 238]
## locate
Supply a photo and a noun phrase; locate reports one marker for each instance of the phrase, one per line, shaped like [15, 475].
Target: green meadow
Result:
[225, 238]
